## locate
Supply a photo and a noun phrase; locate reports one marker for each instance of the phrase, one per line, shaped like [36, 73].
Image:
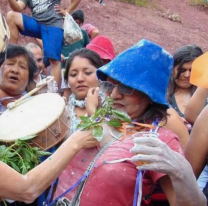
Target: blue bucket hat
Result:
[145, 67]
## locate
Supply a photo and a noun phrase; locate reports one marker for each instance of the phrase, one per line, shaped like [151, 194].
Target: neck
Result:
[183, 91]
[6, 94]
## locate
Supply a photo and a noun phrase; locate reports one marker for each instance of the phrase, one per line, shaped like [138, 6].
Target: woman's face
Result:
[82, 76]
[134, 105]
[183, 81]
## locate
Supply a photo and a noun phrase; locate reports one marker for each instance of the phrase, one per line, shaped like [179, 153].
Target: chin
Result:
[81, 97]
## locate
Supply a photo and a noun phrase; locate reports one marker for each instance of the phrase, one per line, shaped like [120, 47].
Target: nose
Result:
[80, 77]
[115, 94]
[187, 73]
[15, 69]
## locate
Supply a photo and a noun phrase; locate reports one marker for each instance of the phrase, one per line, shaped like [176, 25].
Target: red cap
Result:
[103, 46]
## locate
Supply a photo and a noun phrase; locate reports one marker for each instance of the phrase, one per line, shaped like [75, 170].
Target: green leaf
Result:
[15, 167]
[85, 119]
[2, 148]
[43, 153]
[121, 115]
[98, 132]
[98, 113]
[83, 126]
[26, 154]
[114, 123]
[24, 170]
[27, 137]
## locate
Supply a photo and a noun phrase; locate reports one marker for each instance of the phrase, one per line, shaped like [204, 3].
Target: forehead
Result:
[109, 79]
[80, 63]
[19, 58]
[36, 51]
[187, 65]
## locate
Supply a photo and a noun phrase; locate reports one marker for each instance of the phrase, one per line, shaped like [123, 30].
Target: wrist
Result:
[74, 143]
[182, 172]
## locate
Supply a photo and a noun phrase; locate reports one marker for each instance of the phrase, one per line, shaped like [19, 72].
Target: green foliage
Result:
[141, 3]
[21, 156]
[107, 115]
[198, 2]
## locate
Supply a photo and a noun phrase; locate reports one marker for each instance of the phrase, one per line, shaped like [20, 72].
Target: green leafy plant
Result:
[198, 2]
[104, 115]
[21, 156]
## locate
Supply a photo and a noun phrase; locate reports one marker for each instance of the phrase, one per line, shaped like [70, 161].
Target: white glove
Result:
[157, 155]
[51, 85]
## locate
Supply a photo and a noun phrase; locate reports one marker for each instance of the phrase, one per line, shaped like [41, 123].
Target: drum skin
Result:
[43, 115]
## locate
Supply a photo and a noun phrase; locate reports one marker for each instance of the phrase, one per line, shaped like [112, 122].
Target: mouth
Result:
[14, 78]
[80, 87]
[118, 105]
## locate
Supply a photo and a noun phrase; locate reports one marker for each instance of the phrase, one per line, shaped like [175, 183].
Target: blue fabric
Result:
[145, 67]
[51, 36]
[42, 198]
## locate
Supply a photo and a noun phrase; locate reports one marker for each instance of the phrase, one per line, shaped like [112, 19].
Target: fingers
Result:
[144, 158]
[149, 141]
[93, 91]
[143, 149]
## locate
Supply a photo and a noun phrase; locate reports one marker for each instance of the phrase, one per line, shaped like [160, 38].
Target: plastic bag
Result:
[4, 33]
[72, 32]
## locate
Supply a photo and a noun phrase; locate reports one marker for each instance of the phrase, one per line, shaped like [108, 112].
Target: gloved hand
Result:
[51, 85]
[157, 155]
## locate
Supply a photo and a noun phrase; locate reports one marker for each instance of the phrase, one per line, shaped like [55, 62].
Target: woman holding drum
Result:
[137, 80]
[17, 68]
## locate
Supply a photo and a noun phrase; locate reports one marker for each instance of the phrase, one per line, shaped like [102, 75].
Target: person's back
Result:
[67, 49]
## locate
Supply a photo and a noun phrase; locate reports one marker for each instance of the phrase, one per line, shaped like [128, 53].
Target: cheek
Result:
[25, 77]
[71, 81]
[92, 80]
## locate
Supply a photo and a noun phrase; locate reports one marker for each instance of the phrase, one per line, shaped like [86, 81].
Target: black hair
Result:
[92, 56]
[78, 14]
[16, 50]
[154, 111]
[183, 55]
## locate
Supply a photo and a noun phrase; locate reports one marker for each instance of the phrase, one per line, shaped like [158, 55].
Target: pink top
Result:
[89, 29]
[111, 184]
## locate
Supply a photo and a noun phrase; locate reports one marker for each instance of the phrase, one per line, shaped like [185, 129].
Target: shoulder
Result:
[171, 139]
[84, 32]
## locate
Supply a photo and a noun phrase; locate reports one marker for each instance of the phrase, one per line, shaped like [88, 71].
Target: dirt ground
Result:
[126, 24]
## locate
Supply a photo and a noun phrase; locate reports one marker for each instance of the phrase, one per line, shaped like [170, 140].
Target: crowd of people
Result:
[166, 165]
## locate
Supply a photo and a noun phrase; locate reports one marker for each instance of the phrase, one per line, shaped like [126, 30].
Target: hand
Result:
[51, 85]
[92, 100]
[59, 10]
[84, 139]
[62, 58]
[160, 156]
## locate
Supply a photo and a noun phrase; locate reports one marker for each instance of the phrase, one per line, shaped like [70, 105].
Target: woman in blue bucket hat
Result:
[110, 174]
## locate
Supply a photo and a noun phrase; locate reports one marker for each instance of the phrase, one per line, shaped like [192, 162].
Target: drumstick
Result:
[38, 87]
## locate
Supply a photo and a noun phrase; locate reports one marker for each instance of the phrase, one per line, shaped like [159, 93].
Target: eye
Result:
[23, 67]
[72, 75]
[88, 73]
[9, 63]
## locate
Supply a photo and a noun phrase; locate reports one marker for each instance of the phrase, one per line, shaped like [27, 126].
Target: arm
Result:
[94, 33]
[28, 187]
[39, 42]
[167, 187]
[163, 159]
[196, 105]
[197, 148]
[17, 5]
[177, 126]
[73, 6]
